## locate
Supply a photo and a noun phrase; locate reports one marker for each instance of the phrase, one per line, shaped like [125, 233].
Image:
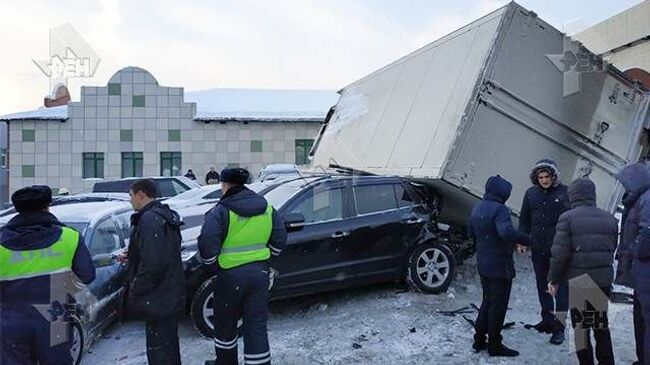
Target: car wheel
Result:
[430, 268]
[202, 310]
[77, 346]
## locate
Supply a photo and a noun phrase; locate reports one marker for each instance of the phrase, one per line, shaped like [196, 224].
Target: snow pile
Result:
[385, 324]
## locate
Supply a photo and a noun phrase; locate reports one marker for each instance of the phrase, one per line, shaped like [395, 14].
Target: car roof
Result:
[87, 212]
[279, 167]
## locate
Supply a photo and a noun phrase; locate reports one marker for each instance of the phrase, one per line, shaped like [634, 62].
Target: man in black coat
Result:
[543, 204]
[42, 264]
[490, 225]
[212, 177]
[583, 253]
[633, 254]
[156, 281]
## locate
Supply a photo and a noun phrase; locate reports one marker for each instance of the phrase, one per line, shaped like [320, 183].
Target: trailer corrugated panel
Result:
[487, 99]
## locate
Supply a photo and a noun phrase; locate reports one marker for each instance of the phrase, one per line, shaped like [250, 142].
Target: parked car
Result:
[168, 186]
[105, 226]
[274, 171]
[344, 231]
[204, 195]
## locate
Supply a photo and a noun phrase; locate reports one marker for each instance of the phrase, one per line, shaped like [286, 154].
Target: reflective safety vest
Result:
[26, 264]
[247, 239]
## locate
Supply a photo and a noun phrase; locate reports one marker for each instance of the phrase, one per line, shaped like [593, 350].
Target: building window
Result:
[303, 146]
[29, 171]
[256, 146]
[131, 164]
[232, 165]
[138, 101]
[170, 163]
[126, 135]
[174, 135]
[114, 89]
[3, 157]
[29, 135]
[93, 165]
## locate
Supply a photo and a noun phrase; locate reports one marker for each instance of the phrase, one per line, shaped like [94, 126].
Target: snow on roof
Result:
[262, 104]
[54, 113]
[232, 105]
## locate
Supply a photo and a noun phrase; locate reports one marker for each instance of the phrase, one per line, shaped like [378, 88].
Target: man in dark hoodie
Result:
[156, 281]
[490, 226]
[542, 205]
[633, 253]
[583, 253]
[41, 264]
[240, 234]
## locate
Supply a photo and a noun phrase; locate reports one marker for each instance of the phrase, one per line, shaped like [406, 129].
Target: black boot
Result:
[480, 343]
[499, 349]
[543, 327]
[557, 338]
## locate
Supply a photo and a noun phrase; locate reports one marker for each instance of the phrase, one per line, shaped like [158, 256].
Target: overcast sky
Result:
[322, 44]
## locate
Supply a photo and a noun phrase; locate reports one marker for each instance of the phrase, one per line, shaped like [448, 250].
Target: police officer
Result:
[41, 264]
[240, 234]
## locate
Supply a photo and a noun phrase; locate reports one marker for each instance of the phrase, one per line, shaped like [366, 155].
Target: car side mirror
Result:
[294, 221]
[103, 260]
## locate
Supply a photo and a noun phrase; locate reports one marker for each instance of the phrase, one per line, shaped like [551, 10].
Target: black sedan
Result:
[344, 231]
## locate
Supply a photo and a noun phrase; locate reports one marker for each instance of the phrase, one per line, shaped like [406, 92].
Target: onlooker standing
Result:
[540, 210]
[633, 254]
[156, 282]
[491, 228]
[583, 253]
[190, 175]
[212, 177]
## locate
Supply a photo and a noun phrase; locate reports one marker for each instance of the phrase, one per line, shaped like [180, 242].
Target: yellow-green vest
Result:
[247, 239]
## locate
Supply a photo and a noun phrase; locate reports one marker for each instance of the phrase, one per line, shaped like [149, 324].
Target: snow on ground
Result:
[383, 325]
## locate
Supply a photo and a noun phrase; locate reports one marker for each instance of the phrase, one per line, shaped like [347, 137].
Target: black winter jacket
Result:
[585, 239]
[245, 203]
[156, 281]
[490, 225]
[540, 211]
[636, 180]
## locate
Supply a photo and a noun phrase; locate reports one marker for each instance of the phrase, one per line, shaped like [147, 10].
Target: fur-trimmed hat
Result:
[548, 166]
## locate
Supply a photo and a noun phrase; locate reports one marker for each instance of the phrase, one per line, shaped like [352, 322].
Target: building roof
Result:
[256, 105]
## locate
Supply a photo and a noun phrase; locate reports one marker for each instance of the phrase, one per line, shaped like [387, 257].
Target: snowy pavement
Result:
[383, 325]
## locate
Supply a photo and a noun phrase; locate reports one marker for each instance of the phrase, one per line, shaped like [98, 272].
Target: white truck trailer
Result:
[490, 98]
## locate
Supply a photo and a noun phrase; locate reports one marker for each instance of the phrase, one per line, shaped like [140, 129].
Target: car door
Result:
[378, 232]
[312, 260]
[105, 241]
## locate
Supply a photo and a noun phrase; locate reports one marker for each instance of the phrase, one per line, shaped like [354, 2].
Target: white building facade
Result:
[135, 127]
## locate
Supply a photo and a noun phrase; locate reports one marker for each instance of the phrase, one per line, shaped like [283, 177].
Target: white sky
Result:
[321, 44]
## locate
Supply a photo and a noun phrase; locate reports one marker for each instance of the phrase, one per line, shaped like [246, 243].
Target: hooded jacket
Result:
[635, 178]
[585, 239]
[156, 281]
[490, 225]
[245, 203]
[38, 230]
[541, 208]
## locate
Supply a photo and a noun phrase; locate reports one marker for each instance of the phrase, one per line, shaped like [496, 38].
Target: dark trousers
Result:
[639, 328]
[28, 338]
[589, 313]
[541, 265]
[162, 342]
[496, 295]
[242, 292]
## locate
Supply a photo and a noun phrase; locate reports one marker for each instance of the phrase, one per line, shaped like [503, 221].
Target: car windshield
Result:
[279, 195]
[189, 194]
